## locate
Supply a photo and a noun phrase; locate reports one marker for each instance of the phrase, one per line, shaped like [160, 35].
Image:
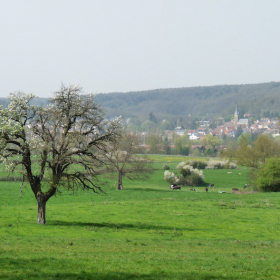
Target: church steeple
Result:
[235, 119]
[236, 111]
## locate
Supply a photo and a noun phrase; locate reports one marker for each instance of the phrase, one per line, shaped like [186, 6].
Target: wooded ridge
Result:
[205, 102]
[200, 102]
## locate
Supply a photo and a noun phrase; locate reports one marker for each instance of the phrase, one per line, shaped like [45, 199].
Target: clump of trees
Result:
[268, 176]
[189, 176]
[211, 142]
[58, 145]
[182, 145]
[263, 156]
[254, 154]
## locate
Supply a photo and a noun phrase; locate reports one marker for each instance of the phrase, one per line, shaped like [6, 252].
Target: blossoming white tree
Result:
[189, 176]
[62, 140]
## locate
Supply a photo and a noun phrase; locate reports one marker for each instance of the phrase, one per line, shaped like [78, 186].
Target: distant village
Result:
[230, 129]
[222, 130]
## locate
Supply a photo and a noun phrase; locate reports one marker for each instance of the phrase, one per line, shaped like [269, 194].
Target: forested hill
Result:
[201, 102]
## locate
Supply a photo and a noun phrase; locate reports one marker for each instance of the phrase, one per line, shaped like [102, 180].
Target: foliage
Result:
[182, 144]
[171, 177]
[199, 164]
[267, 177]
[67, 134]
[249, 137]
[220, 164]
[211, 140]
[211, 164]
[152, 118]
[153, 141]
[189, 176]
[148, 125]
[238, 132]
[166, 167]
[263, 154]
[253, 155]
[265, 147]
[194, 179]
[201, 102]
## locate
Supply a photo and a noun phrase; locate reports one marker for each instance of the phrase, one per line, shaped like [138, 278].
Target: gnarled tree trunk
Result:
[41, 219]
[120, 185]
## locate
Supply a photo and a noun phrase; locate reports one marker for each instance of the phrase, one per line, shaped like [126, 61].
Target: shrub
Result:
[199, 164]
[170, 177]
[189, 176]
[231, 165]
[220, 164]
[196, 179]
[166, 167]
[186, 170]
[211, 164]
[268, 176]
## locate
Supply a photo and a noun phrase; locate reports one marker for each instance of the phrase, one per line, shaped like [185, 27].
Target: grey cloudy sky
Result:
[130, 45]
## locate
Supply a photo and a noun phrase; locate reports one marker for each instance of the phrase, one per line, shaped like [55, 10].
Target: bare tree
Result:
[122, 158]
[63, 139]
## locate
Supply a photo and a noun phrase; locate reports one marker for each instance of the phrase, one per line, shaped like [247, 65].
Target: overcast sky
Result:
[132, 45]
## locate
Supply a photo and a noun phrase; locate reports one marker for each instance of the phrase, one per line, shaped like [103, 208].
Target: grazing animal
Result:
[246, 186]
[229, 173]
[191, 189]
[175, 187]
[239, 173]
[206, 189]
[235, 190]
[211, 186]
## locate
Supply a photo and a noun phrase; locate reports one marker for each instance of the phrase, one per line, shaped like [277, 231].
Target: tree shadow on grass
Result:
[119, 276]
[115, 276]
[20, 268]
[137, 226]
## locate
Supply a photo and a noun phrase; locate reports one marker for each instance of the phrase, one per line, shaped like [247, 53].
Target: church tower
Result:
[235, 118]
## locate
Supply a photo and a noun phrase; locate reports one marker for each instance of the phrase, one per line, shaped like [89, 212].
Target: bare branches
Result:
[78, 179]
[121, 158]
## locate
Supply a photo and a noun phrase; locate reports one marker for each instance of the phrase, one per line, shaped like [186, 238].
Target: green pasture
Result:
[146, 231]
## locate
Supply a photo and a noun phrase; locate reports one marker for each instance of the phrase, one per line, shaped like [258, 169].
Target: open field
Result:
[146, 231]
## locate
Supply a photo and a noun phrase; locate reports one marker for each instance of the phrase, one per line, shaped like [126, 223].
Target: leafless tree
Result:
[122, 158]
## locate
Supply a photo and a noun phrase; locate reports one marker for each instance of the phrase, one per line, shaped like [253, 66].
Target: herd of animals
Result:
[211, 186]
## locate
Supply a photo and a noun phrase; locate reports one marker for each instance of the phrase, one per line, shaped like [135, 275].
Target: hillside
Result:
[201, 102]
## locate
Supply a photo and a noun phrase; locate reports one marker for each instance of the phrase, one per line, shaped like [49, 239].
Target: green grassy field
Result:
[146, 231]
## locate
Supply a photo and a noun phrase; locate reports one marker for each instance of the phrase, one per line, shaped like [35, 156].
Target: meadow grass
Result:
[146, 231]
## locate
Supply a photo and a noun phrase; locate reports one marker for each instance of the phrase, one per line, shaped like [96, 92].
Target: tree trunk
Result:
[120, 185]
[41, 219]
